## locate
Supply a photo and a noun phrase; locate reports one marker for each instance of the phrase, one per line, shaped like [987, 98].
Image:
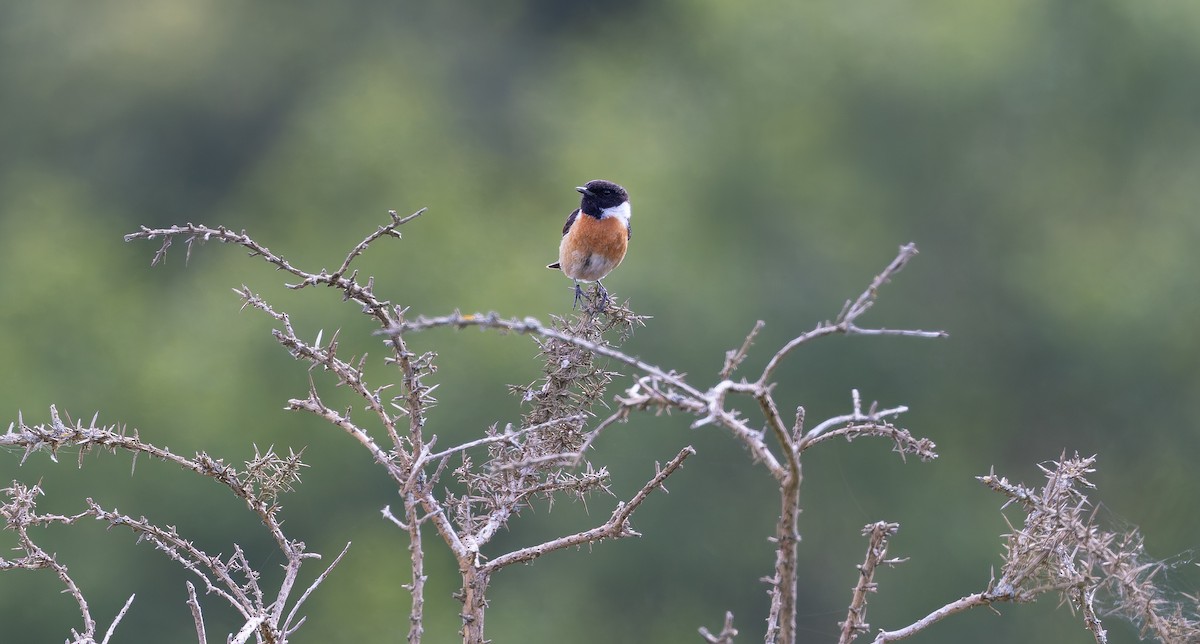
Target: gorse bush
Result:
[459, 497]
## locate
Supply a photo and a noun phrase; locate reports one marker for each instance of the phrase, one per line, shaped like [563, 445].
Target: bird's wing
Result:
[628, 231]
[570, 220]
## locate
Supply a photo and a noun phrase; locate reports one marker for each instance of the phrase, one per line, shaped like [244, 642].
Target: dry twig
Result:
[728, 632]
[856, 618]
[258, 484]
[1061, 548]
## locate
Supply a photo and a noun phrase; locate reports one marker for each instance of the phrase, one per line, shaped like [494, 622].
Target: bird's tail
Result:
[554, 266]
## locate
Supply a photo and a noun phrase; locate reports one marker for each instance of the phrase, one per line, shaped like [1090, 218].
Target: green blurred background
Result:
[1043, 155]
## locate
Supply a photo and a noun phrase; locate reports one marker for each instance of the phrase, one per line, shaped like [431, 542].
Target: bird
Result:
[595, 237]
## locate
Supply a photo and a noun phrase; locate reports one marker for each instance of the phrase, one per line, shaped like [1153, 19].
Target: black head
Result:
[599, 194]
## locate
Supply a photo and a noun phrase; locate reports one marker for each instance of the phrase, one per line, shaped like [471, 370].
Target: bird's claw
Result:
[601, 301]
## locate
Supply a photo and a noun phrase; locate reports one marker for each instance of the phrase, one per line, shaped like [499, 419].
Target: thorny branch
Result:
[533, 326]
[539, 459]
[617, 525]
[846, 321]
[728, 632]
[259, 484]
[522, 463]
[197, 613]
[856, 618]
[407, 456]
[20, 513]
[1061, 548]
[663, 390]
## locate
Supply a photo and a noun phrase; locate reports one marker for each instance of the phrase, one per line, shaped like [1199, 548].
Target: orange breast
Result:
[592, 247]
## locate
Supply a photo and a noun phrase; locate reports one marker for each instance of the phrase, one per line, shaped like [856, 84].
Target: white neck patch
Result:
[621, 212]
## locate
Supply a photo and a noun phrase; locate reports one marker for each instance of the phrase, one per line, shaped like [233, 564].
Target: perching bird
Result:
[595, 236]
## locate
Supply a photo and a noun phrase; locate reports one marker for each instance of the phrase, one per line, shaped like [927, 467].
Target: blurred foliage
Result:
[1043, 155]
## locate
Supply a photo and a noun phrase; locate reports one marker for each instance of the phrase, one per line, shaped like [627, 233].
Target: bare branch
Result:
[197, 614]
[59, 434]
[905, 442]
[248, 629]
[957, 606]
[728, 632]
[856, 415]
[1060, 548]
[416, 551]
[315, 405]
[532, 325]
[734, 359]
[781, 619]
[388, 231]
[287, 624]
[1087, 603]
[189, 556]
[411, 366]
[617, 525]
[326, 357]
[508, 435]
[856, 617]
[867, 299]
[117, 620]
[200, 233]
[20, 513]
[845, 321]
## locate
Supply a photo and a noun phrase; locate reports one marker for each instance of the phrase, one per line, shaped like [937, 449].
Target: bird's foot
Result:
[591, 304]
[603, 296]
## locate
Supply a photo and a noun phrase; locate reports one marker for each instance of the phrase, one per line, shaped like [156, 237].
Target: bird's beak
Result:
[581, 190]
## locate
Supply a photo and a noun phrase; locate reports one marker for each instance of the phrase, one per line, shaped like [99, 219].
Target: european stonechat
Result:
[595, 236]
